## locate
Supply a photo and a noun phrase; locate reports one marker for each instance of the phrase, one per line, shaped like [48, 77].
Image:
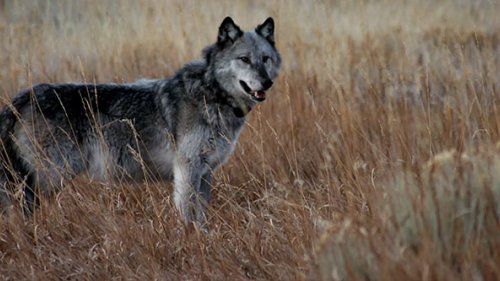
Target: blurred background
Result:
[375, 156]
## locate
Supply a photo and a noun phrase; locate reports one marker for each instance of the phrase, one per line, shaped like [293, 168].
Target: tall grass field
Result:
[376, 155]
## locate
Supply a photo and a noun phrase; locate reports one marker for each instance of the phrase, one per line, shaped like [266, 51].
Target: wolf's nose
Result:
[267, 84]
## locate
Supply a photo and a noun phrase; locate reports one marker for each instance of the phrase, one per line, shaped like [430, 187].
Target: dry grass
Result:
[374, 157]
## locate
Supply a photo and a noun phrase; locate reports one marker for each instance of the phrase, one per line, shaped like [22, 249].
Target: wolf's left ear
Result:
[228, 32]
[266, 30]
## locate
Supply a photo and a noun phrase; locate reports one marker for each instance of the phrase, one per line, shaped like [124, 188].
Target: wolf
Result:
[180, 128]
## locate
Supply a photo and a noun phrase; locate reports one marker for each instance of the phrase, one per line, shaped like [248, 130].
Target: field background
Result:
[373, 158]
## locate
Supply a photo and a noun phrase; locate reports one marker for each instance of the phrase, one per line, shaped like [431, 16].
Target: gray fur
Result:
[181, 128]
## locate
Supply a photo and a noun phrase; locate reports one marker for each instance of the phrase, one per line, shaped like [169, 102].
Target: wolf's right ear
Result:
[228, 32]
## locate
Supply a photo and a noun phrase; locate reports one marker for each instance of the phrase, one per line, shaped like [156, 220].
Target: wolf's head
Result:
[245, 63]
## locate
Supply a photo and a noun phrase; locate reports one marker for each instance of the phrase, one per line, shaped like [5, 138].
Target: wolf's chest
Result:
[221, 134]
[217, 148]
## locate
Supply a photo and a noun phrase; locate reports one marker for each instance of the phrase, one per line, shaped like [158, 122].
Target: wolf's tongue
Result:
[260, 94]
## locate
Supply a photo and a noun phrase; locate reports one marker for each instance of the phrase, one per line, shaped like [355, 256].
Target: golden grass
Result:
[373, 158]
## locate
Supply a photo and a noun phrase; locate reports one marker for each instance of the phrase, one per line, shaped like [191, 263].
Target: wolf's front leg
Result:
[203, 198]
[192, 186]
[186, 181]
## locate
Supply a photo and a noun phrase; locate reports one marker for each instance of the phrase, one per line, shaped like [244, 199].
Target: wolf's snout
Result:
[267, 84]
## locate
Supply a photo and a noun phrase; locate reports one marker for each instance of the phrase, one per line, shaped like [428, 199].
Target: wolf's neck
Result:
[217, 94]
[199, 83]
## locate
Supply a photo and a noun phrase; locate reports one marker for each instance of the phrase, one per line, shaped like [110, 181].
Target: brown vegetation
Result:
[373, 158]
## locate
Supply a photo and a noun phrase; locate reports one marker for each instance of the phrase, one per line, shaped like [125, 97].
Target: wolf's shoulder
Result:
[194, 70]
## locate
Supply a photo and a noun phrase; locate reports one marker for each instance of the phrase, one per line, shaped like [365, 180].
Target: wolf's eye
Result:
[265, 59]
[245, 60]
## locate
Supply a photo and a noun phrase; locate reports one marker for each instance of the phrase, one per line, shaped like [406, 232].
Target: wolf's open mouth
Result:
[257, 95]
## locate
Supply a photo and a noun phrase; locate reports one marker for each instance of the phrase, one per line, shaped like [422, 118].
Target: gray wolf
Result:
[180, 128]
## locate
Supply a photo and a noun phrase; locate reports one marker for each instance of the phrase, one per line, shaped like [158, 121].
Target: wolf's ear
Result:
[266, 30]
[228, 32]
